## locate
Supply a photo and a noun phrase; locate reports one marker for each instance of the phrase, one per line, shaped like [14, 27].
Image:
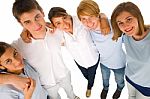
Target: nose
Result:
[89, 23]
[65, 24]
[126, 24]
[36, 25]
[16, 61]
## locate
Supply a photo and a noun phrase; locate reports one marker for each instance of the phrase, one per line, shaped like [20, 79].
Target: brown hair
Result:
[56, 12]
[3, 47]
[22, 6]
[132, 9]
[88, 7]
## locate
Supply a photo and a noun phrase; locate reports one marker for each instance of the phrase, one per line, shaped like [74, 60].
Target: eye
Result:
[38, 17]
[27, 22]
[83, 20]
[120, 23]
[129, 20]
[15, 53]
[57, 24]
[8, 61]
[65, 17]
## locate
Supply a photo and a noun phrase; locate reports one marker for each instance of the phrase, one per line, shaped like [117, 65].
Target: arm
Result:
[51, 27]
[105, 27]
[26, 36]
[16, 81]
[9, 92]
[28, 91]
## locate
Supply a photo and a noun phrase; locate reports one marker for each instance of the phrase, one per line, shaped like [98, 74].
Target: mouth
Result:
[91, 26]
[129, 29]
[38, 29]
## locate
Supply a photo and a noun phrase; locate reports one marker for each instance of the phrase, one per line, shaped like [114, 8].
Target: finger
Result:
[26, 88]
[32, 83]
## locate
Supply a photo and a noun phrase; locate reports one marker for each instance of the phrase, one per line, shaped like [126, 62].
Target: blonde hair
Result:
[88, 7]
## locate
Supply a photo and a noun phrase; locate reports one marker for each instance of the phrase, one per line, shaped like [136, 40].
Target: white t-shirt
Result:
[45, 56]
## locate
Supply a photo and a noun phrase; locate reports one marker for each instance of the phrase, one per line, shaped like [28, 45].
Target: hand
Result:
[105, 27]
[19, 82]
[51, 26]
[28, 91]
[26, 36]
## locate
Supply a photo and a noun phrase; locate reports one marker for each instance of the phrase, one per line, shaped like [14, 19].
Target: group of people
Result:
[35, 65]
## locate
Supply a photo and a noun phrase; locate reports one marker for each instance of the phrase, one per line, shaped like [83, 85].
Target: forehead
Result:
[86, 16]
[9, 52]
[60, 18]
[123, 15]
[29, 15]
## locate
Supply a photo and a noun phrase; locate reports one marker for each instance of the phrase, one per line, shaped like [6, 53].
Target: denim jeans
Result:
[119, 77]
[89, 73]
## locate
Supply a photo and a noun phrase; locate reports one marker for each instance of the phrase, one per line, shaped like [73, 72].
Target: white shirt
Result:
[45, 56]
[111, 52]
[80, 45]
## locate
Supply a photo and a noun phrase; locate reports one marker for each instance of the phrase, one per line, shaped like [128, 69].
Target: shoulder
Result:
[76, 21]
[28, 66]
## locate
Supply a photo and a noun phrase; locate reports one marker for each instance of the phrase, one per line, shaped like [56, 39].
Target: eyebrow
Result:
[125, 18]
[128, 17]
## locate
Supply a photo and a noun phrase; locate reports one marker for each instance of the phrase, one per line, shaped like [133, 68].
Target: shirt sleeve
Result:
[10, 92]
[9, 95]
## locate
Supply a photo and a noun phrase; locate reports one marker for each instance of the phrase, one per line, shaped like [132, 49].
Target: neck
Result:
[140, 37]
[41, 36]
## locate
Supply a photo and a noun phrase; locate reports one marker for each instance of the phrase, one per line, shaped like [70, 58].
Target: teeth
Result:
[127, 30]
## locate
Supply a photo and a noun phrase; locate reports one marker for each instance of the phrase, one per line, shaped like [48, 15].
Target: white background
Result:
[10, 30]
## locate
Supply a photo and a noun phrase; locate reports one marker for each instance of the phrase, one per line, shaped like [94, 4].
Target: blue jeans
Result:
[119, 77]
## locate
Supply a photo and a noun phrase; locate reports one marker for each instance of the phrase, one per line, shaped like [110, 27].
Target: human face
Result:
[91, 22]
[12, 61]
[63, 23]
[127, 23]
[34, 22]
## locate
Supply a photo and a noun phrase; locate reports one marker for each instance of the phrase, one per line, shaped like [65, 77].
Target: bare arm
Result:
[28, 91]
[26, 36]
[15, 80]
[105, 27]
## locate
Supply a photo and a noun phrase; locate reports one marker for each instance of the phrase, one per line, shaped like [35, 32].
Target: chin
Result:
[92, 28]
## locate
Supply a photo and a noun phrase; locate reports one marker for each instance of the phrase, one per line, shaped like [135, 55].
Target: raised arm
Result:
[105, 27]
[26, 36]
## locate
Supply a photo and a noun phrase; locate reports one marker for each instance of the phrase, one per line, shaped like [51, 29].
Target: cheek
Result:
[60, 27]
[28, 27]
[84, 23]
[96, 23]
[121, 28]
[136, 25]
